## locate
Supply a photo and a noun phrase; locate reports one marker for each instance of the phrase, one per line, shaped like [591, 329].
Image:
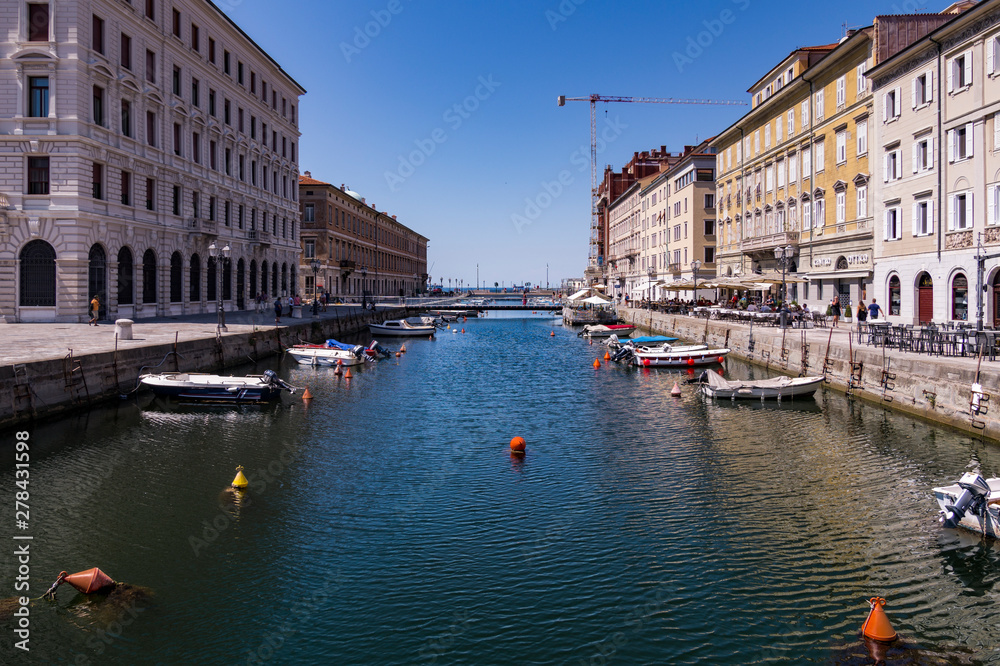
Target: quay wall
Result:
[51, 387]
[937, 389]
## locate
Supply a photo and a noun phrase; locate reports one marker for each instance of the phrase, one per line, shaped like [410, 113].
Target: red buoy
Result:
[722, 359]
[690, 361]
[645, 362]
[517, 445]
[876, 626]
[89, 581]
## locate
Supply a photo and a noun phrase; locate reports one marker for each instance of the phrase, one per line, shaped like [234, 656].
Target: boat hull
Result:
[799, 387]
[680, 359]
[398, 331]
[212, 388]
[324, 357]
[987, 524]
[606, 331]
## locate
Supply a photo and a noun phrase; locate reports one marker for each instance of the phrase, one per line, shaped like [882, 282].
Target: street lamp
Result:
[651, 274]
[315, 266]
[364, 291]
[784, 255]
[695, 265]
[220, 261]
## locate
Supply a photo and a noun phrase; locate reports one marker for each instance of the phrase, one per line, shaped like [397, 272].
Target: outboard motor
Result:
[975, 493]
[624, 354]
[271, 379]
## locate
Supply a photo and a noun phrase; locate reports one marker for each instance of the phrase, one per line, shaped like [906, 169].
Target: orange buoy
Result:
[347, 374]
[402, 349]
[591, 341]
[676, 390]
[398, 354]
[607, 356]
[517, 445]
[339, 370]
[722, 359]
[551, 334]
[690, 361]
[89, 581]
[306, 395]
[876, 626]
[597, 363]
[463, 330]
[430, 337]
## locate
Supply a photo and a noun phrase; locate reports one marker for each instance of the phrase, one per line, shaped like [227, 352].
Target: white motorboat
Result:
[216, 388]
[402, 327]
[329, 353]
[670, 356]
[606, 330]
[972, 503]
[776, 388]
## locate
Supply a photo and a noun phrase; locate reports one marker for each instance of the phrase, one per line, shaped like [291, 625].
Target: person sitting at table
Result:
[766, 308]
[753, 308]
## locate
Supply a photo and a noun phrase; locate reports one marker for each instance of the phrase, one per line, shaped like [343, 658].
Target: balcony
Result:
[674, 267]
[259, 237]
[199, 225]
[768, 243]
[346, 268]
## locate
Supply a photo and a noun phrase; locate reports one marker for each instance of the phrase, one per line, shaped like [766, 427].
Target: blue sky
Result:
[445, 114]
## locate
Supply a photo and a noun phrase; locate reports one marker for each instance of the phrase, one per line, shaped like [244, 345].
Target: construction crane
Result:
[594, 99]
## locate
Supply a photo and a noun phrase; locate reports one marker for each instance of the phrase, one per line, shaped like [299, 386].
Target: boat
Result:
[330, 352]
[613, 342]
[216, 388]
[401, 327]
[606, 330]
[973, 503]
[426, 320]
[776, 388]
[670, 356]
[375, 351]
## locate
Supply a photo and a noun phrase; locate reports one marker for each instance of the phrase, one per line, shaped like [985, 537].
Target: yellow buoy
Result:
[240, 481]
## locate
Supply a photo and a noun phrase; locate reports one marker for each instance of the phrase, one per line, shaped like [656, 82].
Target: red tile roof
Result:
[304, 180]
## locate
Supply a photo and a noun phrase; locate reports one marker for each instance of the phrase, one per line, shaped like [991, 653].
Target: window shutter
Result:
[913, 94]
[898, 164]
[991, 204]
[885, 107]
[885, 225]
[968, 67]
[930, 84]
[951, 145]
[968, 139]
[930, 152]
[916, 207]
[991, 55]
[930, 217]
[969, 221]
[951, 76]
[897, 106]
[915, 147]
[885, 168]
[952, 200]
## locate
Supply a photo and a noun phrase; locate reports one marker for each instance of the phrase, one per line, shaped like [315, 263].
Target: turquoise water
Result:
[387, 522]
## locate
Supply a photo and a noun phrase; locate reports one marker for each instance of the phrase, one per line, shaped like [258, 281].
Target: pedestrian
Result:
[326, 300]
[277, 311]
[873, 310]
[95, 309]
[862, 313]
[835, 311]
[291, 304]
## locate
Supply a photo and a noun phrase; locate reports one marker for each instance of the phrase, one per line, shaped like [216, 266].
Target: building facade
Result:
[690, 224]
[937, 199]
[357, 249]
[138, 140]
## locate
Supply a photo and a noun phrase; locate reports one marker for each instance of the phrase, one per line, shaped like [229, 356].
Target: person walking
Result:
[277, 310]
[862, 313]
[873, 309]
[835, 311]
[95, 310]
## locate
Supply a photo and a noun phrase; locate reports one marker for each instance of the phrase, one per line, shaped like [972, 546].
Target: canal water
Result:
[387, 522]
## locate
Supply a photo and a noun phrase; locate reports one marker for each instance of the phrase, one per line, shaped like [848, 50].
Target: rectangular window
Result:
[891, 106]
[709, 201]
[960, 72]
[792, 168]
[38, 22]
[923, 218]
[151, 9]
[211, 50]
[177, 80]
[253, 82]
[38, 175]
[923, 155]
[767, 136]
[253, 127]
[862, 80]
[310, 213]
[126, 118]
[38, 96]
[227, 113]
[841, 147]
[923, 89]
[177, 23]
[820, 155]
[777, 130]
[126, 51]
[227, 213]
[126, 185]
[842, 90]
[756, 142]
[310, 246]
[820, 105]
[891, 167]
[211, 208]
[195, 97]
[960, 211]
[892, 230]
[211, 102]
[151, 128]
[150, 66]
[99, 106]
[242, 163]
[781, 173]
[805, 115]
[229, 162]
[960, 143]
[819, 214]
[195, 38]
[862, 127]
[196, 147]
[178, 139]
[239, 119]
[98, 180]
[993, 204]
[791, 122]
[862, 202]
[150, 194]
[97, 34]
[709, 255]
[176, 200]
[841, 207]
[239, 72]
[709, 227]
[225, 62]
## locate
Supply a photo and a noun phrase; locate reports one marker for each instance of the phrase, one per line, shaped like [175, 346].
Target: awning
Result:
[839, 275]
[578, 295]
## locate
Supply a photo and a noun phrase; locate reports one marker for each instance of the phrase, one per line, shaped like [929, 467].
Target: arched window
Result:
[895, 295]
[126, 277]
[195, 289]
[960, 297]
[97, 277]
[274, 279]
[241, 286]
[38, 275]
[176, 278]
[149, 276]
[284, 279]
[254, 289]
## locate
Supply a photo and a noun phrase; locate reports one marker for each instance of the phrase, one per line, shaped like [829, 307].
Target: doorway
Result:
[925, 299]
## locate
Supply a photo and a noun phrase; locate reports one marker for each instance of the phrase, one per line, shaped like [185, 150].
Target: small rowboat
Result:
[776, 388]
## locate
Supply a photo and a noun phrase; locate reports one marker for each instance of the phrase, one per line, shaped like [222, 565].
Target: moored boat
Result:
[670, 356]
[973, 503]
[606, 330]
[216, 388]
[401, 327]
[329, 353]
[775, 388]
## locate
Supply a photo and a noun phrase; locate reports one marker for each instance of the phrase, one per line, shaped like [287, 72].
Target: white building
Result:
[134, 135]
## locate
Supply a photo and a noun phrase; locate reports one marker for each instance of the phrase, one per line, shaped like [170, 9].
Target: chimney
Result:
[341, 187]
[308, 174]
[393, 217]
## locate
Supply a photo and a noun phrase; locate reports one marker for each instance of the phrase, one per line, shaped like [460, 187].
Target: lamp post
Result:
[364, 288]
[695, 265]
[220, 260]
[315, 266]
[651, 274]
[784, 255]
